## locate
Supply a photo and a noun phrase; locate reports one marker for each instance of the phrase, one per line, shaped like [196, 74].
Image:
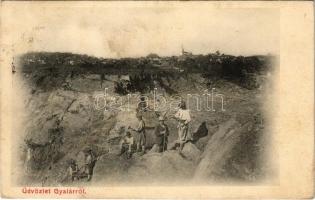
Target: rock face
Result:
[64, 95]
[219, 148]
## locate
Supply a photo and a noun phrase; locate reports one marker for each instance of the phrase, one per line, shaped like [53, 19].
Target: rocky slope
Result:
[62, 117]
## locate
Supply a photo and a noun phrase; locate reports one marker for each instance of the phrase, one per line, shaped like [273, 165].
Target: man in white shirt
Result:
[183, 117]
[126, 144]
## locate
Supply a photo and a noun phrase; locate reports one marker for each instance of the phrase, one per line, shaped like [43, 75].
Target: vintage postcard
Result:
[165, 99]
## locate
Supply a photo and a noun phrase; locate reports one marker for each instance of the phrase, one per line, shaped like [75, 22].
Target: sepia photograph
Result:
[143, 94]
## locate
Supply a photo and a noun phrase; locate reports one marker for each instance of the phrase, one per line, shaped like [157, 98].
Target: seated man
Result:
[161, 132]
[126, 144]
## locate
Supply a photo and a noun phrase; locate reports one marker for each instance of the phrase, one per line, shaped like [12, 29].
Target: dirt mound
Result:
[150, 168]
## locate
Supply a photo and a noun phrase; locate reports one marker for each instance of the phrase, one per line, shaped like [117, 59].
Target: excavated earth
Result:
[61, 120]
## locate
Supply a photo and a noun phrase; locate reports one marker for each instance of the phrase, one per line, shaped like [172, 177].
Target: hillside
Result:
[62, 118]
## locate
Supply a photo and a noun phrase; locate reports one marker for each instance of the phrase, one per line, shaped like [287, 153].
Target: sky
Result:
[132, 30]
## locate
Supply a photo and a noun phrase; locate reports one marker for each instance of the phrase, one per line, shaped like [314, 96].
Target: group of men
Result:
[161, 133]
[129, 146]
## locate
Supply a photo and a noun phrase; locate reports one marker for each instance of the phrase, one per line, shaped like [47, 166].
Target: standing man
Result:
[161, 132]
[183, 118]
[90, 161]
[141, 134]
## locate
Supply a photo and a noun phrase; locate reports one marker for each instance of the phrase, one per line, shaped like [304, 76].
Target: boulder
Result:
[191, 152]
[219, 148]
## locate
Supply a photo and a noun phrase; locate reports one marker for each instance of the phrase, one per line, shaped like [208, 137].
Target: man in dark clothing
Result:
[161, 132]
[90, 160]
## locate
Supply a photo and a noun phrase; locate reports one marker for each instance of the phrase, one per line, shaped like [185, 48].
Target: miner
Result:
[183, 118]
[126, 145]
[141, 134]
[161, 132]
[90, 160]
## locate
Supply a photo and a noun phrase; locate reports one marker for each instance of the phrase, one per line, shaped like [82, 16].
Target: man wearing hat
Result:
[161, 132]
